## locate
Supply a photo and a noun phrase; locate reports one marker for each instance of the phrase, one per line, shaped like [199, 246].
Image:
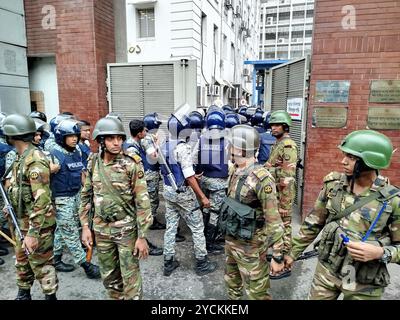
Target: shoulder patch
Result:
[268, 189]
[34, 175]
[140, 174]
[133, 156]
[137, 158]
[261, 173]
[332, 176]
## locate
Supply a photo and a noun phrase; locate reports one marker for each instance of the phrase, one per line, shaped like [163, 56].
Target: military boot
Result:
[23, 294]
[61, 266]
[92, 271]
[50, 297]
[212, 246]
[3, 251]
[204, 266]
[154, 250]
[157, 225]
[169, 266]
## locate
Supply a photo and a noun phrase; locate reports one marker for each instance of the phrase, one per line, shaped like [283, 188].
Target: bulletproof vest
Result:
[142, 153]
[167, 150]
[266, 142]
[85, 153]
[213, 157]
[67, 181]
[4, 149]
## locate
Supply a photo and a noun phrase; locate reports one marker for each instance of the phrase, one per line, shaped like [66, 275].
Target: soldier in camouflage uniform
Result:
[213, 169]
[358, 214]
[282, 165]
[251, 186]
[65, 187]
[180, 191]
[31, 199]
[116, 186]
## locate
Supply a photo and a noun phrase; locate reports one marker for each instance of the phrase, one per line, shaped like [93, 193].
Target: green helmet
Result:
[108, 126]
[244, 137]
[374, 148]
[280, 116]
[18, 125]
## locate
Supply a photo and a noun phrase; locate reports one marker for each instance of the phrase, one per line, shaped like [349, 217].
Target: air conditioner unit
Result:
[217, 90]
[246, 72]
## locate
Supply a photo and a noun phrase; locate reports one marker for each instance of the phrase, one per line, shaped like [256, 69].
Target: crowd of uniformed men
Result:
[228, 173]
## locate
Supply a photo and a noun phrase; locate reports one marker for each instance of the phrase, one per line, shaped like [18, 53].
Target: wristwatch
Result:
[386, 257]
[278, 259]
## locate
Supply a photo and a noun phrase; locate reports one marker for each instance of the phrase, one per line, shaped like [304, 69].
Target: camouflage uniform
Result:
[243, 264]
[68, 224]
[215, 191]
[50, 143]
[36, 219]
[328, 284]
[117, 230]
[282, 165]
[185, 205]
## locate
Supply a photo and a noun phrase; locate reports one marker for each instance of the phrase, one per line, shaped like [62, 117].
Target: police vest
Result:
[4, 149]
[266, 142]
[67, 181]
[167, 150]
[142, 153]
[85, 153]
[213, 157]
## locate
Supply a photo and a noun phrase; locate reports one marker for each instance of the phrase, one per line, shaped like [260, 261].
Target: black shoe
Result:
[92, 271]
[3, 251]
[61, 266]
[169, 266]
[214, 248]
[154, 250]
[179, 238]
[24, 294]
[281, 275]
[204, 266]
[50, 297]
[1, 261]
[157, 225]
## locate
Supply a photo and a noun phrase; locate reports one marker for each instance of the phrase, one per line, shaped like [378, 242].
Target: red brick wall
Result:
[83, 44]
[369, 52]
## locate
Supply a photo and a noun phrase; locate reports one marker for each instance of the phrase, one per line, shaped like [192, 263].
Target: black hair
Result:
[67, 113]
[84, 123]
[136, 126]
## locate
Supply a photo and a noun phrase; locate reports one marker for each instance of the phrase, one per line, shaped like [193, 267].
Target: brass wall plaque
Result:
[329, 117]
[332, 91]
[385, 91]
[383, 118]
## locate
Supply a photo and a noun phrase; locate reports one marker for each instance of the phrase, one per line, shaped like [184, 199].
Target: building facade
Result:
[285, 28]
[219, 34]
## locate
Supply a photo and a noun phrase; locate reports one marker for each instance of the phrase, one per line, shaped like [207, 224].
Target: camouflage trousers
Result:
[327, 286]
[68, 228]
[244, 268]
[183, 205]
[153, 186]
[287, 233]
[215, 191]
[38, 265]
[287, 197]
[119, 268]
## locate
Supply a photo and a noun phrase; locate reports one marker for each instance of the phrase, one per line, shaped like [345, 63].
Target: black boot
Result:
[154, 250]
[169, 266]
[204, 266]
[211, 245]
[1, 261]
[157, 225]
[179, 237]
[92, 271]
[24, 294]
[50, 297]
[3, 251]
[61, 266]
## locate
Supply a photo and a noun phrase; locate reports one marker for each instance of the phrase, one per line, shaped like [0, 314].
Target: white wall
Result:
[43, 77]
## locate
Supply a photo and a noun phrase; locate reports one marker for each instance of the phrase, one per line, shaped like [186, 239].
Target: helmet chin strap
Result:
[359, 167]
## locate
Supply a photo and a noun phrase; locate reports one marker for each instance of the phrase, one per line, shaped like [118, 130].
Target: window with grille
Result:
[146, 23]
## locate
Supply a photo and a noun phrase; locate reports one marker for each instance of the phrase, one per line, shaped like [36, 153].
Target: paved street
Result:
[182, 284]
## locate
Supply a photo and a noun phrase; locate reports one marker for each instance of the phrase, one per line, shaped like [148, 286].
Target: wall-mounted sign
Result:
[332, 91]
[329, 117]
[385, 91]
[295, 108]
[383, 118]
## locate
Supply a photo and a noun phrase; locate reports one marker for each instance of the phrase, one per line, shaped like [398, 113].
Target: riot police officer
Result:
[231, 120]
[267, 140]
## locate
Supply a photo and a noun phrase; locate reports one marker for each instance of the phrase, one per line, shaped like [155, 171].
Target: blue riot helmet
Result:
[231, 120]
[38, 115]
[242, 119]
[152, 121]
[215, 119]
[242, 110]
[196, 120]
[266, 124]
[57, 119]
[66, 128]
[227, 109]
[257, 118]
[180, 121]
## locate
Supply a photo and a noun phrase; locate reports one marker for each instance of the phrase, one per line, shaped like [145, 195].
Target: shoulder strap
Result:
[242, 180]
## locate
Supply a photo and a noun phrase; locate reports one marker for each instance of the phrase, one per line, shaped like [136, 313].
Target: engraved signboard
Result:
[332, 91]
[385, 91]
[383, 118]
[329, 117]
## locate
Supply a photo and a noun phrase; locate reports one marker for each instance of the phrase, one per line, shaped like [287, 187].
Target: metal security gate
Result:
[291, 80]
[136, 89]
